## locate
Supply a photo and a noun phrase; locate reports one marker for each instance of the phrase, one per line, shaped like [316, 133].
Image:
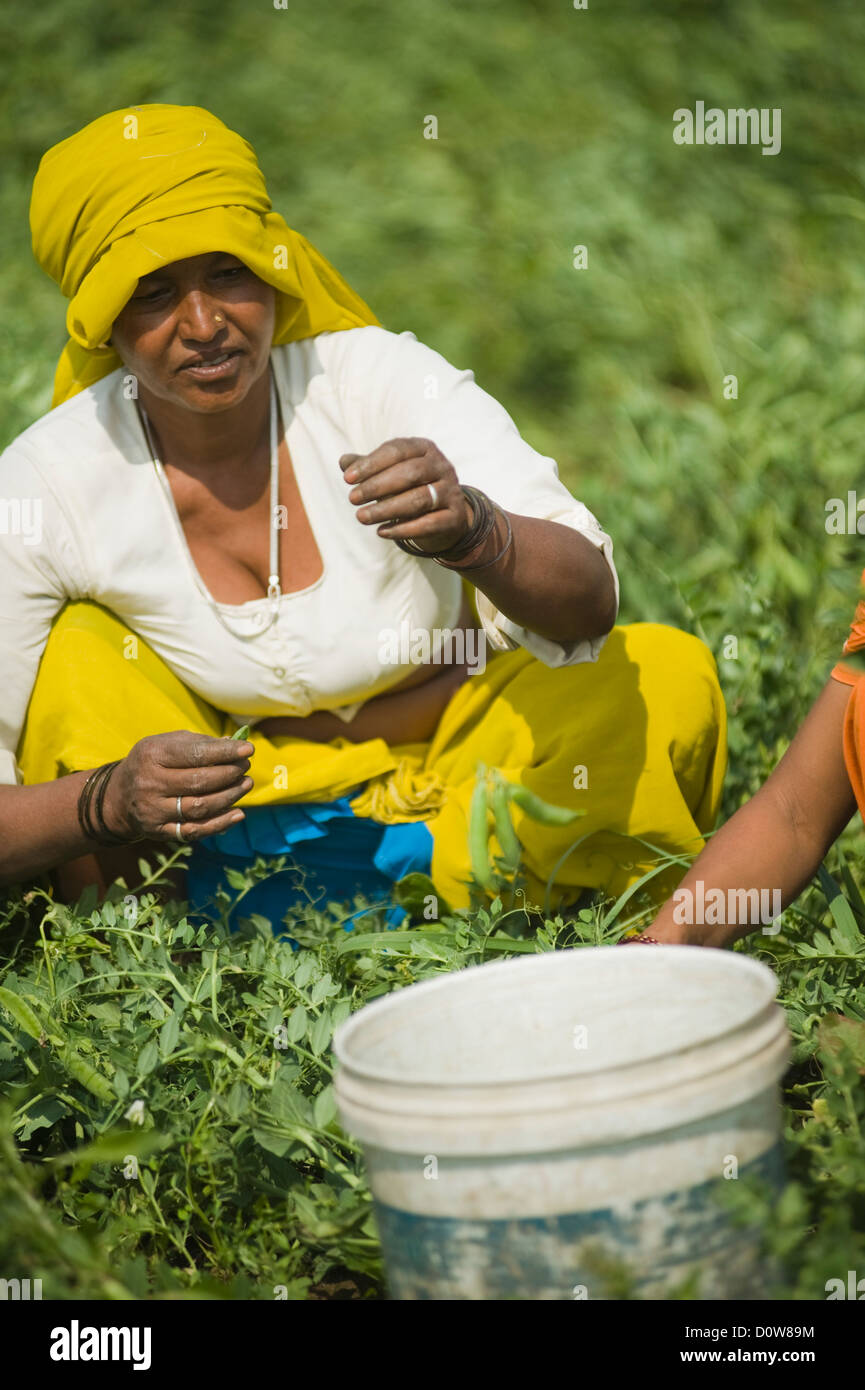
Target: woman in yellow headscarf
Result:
[254, 505]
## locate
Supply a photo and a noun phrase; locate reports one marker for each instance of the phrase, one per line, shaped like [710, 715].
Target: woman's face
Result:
[197, 332]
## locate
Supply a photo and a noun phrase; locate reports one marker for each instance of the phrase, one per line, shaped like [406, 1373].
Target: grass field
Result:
[554, 130]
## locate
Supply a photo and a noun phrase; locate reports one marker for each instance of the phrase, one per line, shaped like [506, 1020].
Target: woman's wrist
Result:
[111, 823]
[490, 549]
[671, 933]
[481, 516]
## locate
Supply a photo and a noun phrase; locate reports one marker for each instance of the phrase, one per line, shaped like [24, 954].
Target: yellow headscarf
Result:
[148, 185]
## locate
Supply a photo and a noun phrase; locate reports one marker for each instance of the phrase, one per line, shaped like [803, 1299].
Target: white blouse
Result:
[86, 514]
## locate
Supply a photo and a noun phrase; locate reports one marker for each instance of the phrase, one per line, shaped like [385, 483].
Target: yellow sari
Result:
[636, 739]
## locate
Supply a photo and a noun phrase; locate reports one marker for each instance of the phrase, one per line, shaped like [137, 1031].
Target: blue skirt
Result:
[338, 853]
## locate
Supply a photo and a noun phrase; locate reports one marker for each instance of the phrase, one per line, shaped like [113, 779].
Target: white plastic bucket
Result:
[523, 1122]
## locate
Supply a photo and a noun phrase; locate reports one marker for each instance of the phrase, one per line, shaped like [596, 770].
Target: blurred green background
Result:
[554, 130]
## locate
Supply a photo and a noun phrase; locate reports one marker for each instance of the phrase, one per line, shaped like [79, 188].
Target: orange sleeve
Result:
[855, 643]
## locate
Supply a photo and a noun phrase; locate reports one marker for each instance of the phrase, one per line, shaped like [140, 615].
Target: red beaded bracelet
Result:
[638, 941]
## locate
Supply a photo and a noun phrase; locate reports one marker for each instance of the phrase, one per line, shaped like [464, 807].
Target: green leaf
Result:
[849, 939]
[413, 893]
[853, 892]
[148, 1058]
[277, 1144]
[298, 1023]
[113, 1147]
[305, 971]
[272, 1019]
[392, 941]
[87, 901]
[324, 1107]
[168, 1035]
[321, 1033]
[107, 1012]
[238, 1100]
[289, 1105]
[322, 989]
[837, 1033]
[42, 1116]
[501, 942]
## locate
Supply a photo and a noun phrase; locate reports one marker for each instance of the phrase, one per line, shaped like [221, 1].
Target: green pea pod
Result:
[505, 833]
[85, 1074]
[242, 732]
[24, 1016]
[542, 810]
[479, 847]
[71, 1060]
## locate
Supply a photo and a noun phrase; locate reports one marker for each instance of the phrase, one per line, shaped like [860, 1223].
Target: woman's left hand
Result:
[409, 490]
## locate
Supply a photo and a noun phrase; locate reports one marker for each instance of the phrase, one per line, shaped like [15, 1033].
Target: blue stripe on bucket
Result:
[534, 1258]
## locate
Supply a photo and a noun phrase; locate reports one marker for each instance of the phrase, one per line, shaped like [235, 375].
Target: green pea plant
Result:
[167, 1118]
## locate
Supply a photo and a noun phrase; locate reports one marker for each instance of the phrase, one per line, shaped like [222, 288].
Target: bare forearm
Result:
[761, 852]
[778, 840]
[551, 580]
[39, 827]
[174, 785]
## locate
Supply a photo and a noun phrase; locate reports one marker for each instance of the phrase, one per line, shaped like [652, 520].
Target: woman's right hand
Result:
[209, 774]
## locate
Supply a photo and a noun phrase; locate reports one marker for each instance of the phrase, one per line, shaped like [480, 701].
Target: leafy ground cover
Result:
[159, 1039]
[168, 1122]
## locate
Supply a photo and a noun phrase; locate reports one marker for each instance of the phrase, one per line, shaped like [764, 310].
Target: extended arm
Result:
[780, 837]
[39, 826]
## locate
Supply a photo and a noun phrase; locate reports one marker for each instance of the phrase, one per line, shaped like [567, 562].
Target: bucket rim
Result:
[396, 1001]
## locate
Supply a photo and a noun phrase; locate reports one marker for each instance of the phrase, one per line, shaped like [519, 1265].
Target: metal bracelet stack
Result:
[483, 524]
[91, 817]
